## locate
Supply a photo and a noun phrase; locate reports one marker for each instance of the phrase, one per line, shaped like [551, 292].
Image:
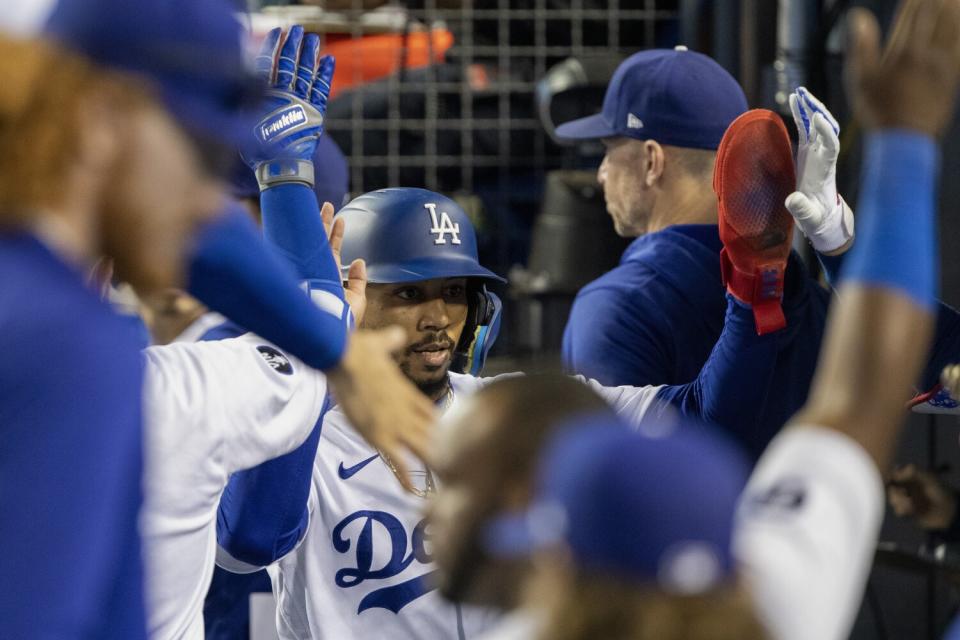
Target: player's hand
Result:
[355, 288]
[383, 406]
[816, 206]
[920, 494]
[913, 83]
[296, 101]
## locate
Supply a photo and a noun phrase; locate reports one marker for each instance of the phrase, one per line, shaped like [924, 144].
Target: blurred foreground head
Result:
[489, 445]
[631, 533]
[113, 130]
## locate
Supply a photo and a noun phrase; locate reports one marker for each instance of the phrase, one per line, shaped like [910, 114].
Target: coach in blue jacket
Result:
[655, 318]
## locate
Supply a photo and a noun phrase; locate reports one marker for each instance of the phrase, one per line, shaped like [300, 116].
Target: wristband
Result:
[897, 247]
[274, 172]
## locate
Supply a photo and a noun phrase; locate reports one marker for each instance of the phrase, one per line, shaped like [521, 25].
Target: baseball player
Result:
[802, 540]
[226, 609]
[354, 558]
[214, 408]
[654, 319]
[357, 547]
[473, 573]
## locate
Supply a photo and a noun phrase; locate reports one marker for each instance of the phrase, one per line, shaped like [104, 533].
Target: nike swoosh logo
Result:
[349, 472]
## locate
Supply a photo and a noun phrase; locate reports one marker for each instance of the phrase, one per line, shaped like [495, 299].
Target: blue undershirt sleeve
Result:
[263, 511]
[831, 266]
[293, 226]
[735, 380]
[233, 271]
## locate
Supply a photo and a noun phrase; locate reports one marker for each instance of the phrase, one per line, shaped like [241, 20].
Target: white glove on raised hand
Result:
[820, 212]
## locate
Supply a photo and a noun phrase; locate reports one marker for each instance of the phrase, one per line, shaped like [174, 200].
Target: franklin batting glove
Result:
[820, 212]
[286, 136]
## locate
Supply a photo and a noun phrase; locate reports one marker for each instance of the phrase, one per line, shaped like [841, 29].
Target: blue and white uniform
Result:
[363, 568]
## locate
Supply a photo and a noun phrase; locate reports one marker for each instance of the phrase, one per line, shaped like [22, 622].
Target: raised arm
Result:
[263, 512]
[812, 510]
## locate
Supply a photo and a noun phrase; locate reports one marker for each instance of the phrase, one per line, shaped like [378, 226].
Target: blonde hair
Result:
[583, 605]
[41, 93]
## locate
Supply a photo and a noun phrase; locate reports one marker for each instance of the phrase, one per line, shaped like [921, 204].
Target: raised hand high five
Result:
[286, 136]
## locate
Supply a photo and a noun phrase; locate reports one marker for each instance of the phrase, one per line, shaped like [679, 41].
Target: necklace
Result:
[431, 487]
[429, 484]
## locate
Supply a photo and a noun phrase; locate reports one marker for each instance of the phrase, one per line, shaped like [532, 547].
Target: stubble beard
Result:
[434, 389]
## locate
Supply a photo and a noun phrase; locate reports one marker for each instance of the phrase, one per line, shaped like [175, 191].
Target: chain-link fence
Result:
[441, 94]
[472, 119]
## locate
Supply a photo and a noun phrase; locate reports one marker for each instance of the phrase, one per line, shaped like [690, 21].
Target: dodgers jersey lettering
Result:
[363, 568]
[211, 408]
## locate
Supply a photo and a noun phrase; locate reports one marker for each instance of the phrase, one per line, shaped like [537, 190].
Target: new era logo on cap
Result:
[633, 122]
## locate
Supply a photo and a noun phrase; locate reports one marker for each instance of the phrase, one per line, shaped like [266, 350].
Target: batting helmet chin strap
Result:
[479, 333]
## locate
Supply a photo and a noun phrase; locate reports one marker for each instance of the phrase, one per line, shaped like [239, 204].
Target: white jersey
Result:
[210, 409]
[364, 566]
[196, 329]
[806, 532]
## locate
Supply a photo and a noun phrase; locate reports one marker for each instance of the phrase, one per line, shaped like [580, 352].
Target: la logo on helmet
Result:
[443, 226]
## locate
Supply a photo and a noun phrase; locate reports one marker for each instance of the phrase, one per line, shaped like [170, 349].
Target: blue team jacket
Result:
[70, 454]
[655, 318]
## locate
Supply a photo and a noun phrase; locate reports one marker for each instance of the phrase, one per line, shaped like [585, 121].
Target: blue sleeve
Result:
[292, 225]
[263, 511]
[233, 271]
[70, 474]
[734, 382]
[608, 340]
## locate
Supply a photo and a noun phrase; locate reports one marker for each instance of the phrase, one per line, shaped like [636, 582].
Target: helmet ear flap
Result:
[479, 332]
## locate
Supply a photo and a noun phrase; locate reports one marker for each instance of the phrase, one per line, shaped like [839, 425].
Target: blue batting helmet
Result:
[409, 235]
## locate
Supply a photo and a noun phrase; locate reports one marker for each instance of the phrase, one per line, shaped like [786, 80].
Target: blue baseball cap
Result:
[192, 50]
[674, 96]
[653, 506]
[330, 168]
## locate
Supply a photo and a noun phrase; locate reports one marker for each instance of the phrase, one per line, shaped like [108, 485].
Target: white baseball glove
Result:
[820, 212]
